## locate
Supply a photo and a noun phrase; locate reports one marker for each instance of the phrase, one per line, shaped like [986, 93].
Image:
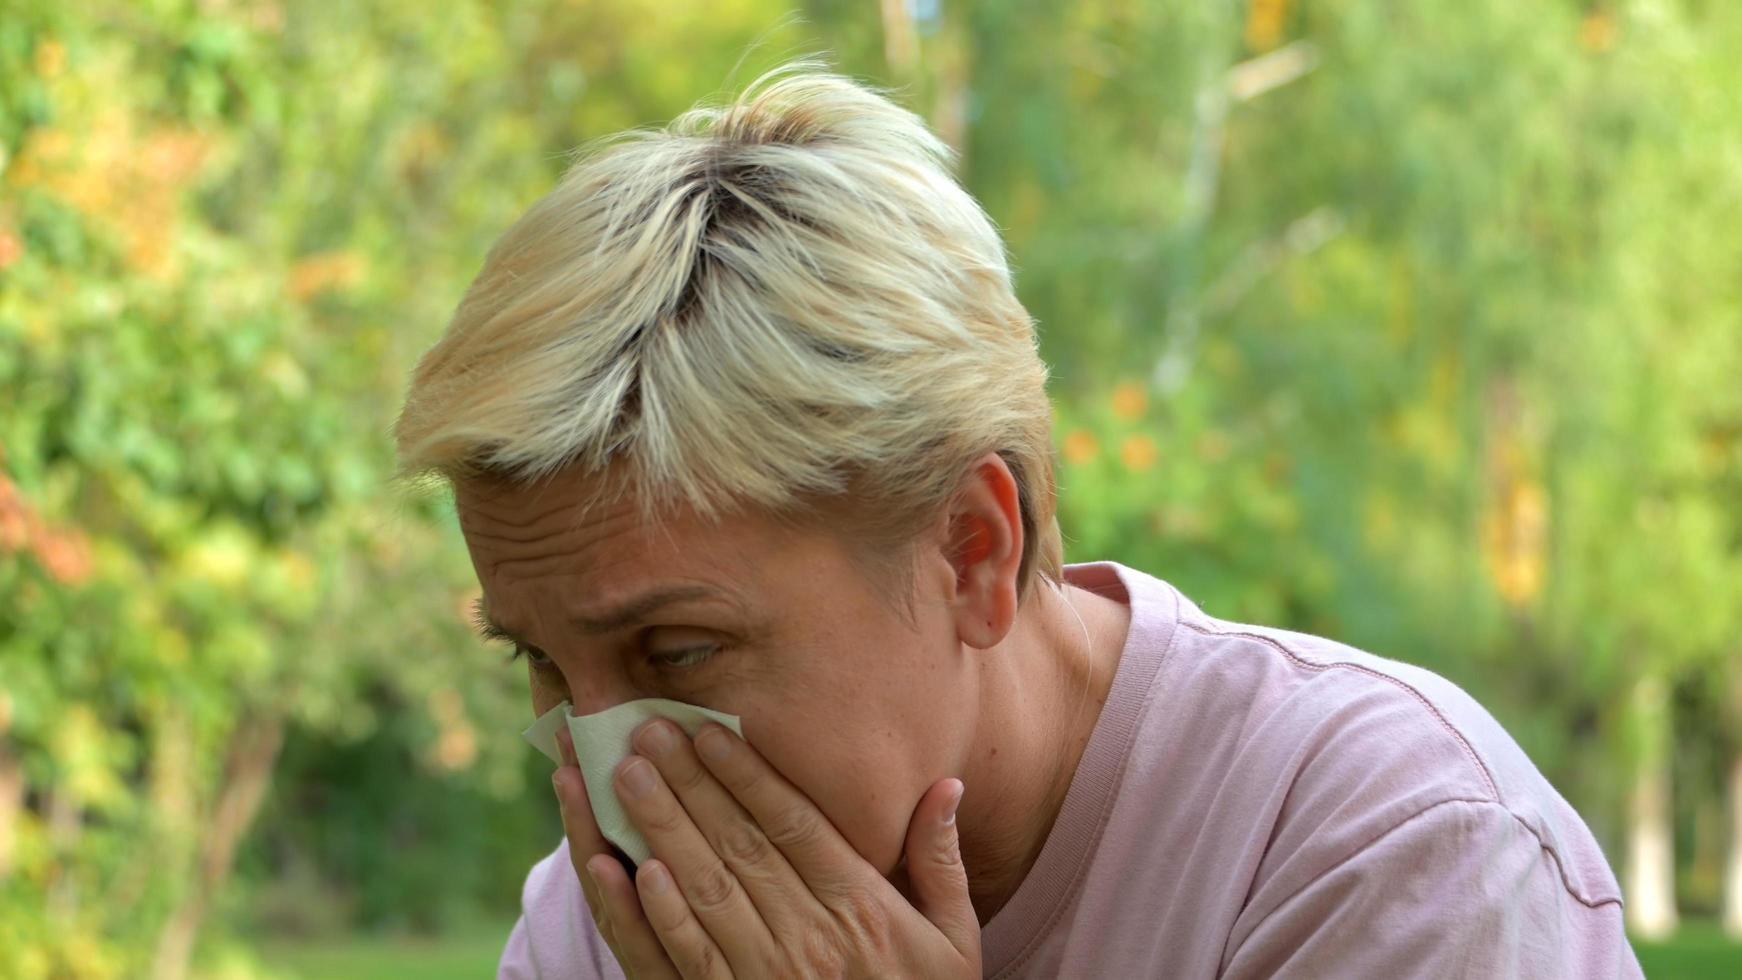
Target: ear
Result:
[983, 543]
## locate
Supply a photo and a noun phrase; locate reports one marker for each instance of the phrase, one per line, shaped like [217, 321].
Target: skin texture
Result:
[860, 712]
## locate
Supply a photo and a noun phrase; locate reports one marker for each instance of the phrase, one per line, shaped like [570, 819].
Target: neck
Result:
[1043, 690]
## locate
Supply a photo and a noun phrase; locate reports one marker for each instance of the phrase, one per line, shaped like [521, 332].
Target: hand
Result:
[750, 879]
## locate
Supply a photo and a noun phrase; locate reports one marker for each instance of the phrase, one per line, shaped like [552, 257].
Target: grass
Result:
[1699, 951]
[467, 955]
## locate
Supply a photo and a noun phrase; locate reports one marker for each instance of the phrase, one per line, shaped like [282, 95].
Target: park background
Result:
[1410, 323]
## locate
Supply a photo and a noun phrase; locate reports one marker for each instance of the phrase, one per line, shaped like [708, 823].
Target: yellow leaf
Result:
[1129, 401]
[1081, 448]
[1139, 453]
[1264, 23]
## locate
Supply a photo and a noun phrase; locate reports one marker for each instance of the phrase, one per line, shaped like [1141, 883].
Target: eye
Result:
[533, 655]
[683, 659]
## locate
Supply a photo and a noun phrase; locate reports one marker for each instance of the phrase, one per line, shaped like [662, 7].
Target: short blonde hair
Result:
[774, 303]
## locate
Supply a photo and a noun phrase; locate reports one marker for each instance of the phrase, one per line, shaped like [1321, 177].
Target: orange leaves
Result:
[50, 59]
[1130, 401]
[1124, 425]
[1139, 453]
[1081, 447]
[11, 247]
[126, 180]
[1598, 33]
[64, 553]
[1265, 20]
[324, 273]
[456, 746]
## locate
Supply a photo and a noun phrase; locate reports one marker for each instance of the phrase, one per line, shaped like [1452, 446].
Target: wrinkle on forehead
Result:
[553, 533]
[520, 535]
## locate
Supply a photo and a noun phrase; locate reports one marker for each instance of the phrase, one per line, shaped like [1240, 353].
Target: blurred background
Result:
[1410, 323]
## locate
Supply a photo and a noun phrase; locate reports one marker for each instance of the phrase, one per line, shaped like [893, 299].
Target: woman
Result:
[746, 415]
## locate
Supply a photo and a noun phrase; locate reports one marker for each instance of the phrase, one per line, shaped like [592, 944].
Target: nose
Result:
[593, 693]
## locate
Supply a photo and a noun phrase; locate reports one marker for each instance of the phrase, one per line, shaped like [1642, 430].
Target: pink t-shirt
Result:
[1254, 803]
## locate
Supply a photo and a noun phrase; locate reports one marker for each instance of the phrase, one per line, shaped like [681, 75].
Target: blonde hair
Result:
[777, 303]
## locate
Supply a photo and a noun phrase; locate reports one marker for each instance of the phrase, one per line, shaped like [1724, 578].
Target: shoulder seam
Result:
[1421, 699]
[1560, 869]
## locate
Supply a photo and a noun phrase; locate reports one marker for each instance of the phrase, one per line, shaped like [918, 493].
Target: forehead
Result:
[546, 544]
[559, 524]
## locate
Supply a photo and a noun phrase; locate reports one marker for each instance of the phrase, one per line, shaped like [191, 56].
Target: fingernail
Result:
[638, 778]
[657, 738]
[654, 879]
[950, 811]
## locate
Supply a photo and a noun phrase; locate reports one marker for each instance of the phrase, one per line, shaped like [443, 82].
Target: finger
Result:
[936, 878]
[685, 941]
[565, 746]
[710, 888]
[811, 844]
[631, 937]
[776, 890]
[585, 841]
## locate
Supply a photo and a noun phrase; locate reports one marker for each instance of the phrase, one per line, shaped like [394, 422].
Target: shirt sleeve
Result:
[516, 961]
[1462, 889]
[555, 938]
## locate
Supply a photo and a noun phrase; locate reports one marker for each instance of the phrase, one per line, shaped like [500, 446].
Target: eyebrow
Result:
[627, 614]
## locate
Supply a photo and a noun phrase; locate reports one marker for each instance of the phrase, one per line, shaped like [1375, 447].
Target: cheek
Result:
[866, 787]
[866, 728]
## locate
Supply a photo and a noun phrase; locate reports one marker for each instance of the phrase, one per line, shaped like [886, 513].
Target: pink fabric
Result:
[1255, 803]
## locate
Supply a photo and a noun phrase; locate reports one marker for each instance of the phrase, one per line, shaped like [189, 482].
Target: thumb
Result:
[936, 877]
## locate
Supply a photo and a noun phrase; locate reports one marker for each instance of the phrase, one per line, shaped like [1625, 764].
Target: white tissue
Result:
[602, 741]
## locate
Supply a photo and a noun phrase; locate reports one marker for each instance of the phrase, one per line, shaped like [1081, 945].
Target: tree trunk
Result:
[66, 827]
[247, 775]
[900, 41]
[1651, 912]
[1733, 866]
[11, 805]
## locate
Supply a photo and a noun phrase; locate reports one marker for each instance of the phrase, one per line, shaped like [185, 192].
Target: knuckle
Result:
[740, 779]
[945, 853]
[712, 889]
[666, 919]
[687, 778]
[705, 961]
[863, 910]
[662, 819]
[742, 844]
[819, 954]
[794, 827]
[863, 920]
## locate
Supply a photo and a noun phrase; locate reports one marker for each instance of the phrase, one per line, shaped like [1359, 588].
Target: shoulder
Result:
[1358, 746]
[1461, 889]
[551, 884]
[560, 939]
